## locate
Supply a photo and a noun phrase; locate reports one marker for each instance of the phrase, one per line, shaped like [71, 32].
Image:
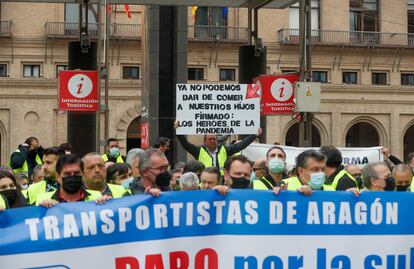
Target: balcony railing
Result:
[219, 33]
[349, 38]
[71, 30]
[5, 28]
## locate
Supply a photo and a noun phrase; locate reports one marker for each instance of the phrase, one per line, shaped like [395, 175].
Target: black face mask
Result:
[163, 179]
[240, 183]
[72, 184]
[402, 187]
[10, 195]
[389, 184]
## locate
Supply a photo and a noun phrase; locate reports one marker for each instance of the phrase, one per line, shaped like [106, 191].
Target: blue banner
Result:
[173, 218]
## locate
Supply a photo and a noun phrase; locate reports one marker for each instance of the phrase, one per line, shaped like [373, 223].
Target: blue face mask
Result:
[253, 176]
[316, 180]
[114, 152]
[276, 165]
[126, 182]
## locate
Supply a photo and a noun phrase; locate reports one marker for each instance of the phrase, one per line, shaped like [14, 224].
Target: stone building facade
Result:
[362, 52]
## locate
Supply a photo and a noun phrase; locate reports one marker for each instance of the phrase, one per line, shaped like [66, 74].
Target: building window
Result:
[130, 72]
[31, 70]
[3, 70]
[320, 76]
[60, 67]
[410, 20]
[227, 74]
[215, 16]
[407, 79]
[379, 78]
[363, 16]
[287, 71]
[195, 73]
[294, 17]
[350, 77]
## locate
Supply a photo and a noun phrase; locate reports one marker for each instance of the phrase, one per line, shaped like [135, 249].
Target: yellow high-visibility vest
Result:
[206, 158]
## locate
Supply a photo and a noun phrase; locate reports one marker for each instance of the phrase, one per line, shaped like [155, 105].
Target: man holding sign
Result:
[212, 109]
[212, 154]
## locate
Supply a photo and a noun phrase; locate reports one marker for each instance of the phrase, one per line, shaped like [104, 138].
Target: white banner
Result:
[358, 156]
[217, 109]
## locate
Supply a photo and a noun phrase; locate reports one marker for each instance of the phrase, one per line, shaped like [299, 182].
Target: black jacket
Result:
[17, 159]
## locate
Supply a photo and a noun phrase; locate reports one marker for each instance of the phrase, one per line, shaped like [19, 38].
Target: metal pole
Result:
[106, 49]
[305, 67]
[99, 57]
[249, 24]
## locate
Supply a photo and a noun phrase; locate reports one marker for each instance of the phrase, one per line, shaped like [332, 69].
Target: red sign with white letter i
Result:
[78, 90]
[277, 93]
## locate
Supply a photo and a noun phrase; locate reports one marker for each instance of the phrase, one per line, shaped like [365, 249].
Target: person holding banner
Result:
[336, 175]
[69, 176]
[375, 176]
[153, 168]
[212, 154]
[237, 170]
[94, 176]
[310, 165]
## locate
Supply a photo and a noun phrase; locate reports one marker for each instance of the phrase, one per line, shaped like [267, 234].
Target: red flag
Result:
[252, 91]
[127, 11]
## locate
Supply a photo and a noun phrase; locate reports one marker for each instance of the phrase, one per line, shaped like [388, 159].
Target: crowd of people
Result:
[48, 176]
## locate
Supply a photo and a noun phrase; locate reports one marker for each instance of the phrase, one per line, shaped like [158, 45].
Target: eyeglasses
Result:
[160, 168]
[255, 169]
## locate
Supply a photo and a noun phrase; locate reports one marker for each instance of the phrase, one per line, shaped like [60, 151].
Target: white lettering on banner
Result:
[202, 213]
[176, 213]
[217, 108]
[88, 220]
[70, 228]
[362, 216]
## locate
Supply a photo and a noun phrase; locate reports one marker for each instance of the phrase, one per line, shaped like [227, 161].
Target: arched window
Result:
[362, 134]
[292, 136]
[408, 141]
[134, 134]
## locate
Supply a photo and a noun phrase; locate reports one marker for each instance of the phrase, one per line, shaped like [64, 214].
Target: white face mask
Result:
[24, 186]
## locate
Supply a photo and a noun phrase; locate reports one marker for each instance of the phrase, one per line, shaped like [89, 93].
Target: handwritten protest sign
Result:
[217, 109]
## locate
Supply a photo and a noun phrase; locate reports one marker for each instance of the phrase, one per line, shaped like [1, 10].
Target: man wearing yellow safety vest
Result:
[336, 175]
[49, 183]
[275, 172]
[27, 156]
[310, 165]
[69, 176]
[113, 153]
[212, 154]
[94, 177]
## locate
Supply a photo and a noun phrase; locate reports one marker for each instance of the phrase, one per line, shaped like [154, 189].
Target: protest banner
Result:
[217, 109]
[358, 156]
[202, 229]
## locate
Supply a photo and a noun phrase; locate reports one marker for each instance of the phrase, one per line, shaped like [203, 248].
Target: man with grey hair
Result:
[189, 181]
[375, 175]
[402, 174]
[132, 159]
[153, 168]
